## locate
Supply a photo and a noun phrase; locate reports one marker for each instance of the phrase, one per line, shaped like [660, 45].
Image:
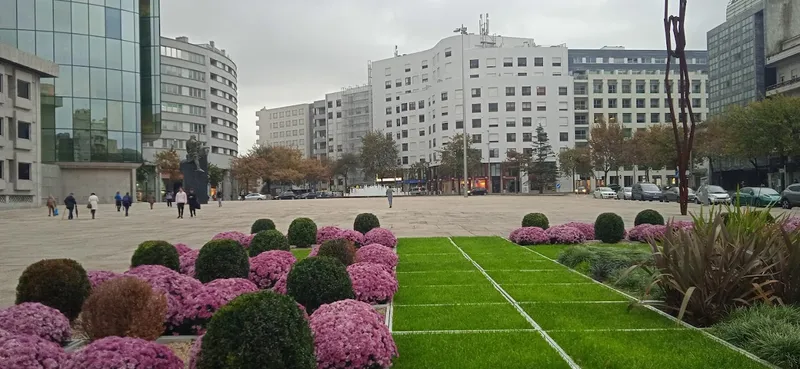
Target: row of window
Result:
[581, 119]
[640, 103]
[224, 108]
[169, 125]
[632, 60]
[172, 70]
[223, 80]
[223, 151]
[176, 53]
[22, 128]
[23, 170]
[509, 62]
[641, 86]
[224, 95]
[173, 89]
[287, 113]
[183, 109]
[292, 133]
[224, 122]
[223, 66]
[477, 123]
[294, 122]
[492, 107]
[224, 136]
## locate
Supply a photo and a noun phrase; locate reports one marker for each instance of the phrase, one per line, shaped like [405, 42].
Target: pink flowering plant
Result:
[565, 235]
[353, 236]
[280, 285]
[24, 351]
[37, 320]
[381, 236]
[99, 276]
[194, 353]
[187, 261]
[124, 353]
[314, 250]
[647, 232]
[203, 303]
[526, 236]
[586, 228]
[685, 225]
[377, 253]
[268, 267]
[182, 248]
[328, 233]
[791, 224]
[242, 238]
[372, 283]
[350, 334]
[177, 287]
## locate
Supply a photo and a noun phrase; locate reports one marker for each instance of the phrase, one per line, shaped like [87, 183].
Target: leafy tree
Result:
[770, 127]
[653, 148]
[575, 161]
[314, 170]
[606, 143]
[378, 155]
[543, 172]
[346, 164]
[518, 162]
[452, 158]
[215, 174]
[169, 162]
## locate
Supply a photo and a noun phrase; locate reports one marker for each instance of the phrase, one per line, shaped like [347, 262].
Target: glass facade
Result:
[106, 95]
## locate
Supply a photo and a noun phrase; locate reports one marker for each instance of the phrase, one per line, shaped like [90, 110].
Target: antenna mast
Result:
[486, 40]
[396, 53]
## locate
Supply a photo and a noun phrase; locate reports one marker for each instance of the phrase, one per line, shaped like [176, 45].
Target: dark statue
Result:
[195, 170]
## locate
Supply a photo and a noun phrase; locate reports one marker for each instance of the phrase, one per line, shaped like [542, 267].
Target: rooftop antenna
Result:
[486, 40]
[396, 53]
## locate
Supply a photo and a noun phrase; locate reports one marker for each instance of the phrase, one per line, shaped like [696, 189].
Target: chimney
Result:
[182, 39]
[211, 43]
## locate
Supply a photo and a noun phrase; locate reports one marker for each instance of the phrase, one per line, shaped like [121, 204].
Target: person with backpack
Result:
[71, 204]
[127, 201]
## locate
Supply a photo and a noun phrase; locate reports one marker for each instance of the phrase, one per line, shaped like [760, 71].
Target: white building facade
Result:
[286, 126]
[512, 86]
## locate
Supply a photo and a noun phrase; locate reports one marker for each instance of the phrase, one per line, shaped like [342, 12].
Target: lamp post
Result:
[463, 31]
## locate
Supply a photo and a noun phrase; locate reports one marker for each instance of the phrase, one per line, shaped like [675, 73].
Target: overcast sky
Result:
[295, 52]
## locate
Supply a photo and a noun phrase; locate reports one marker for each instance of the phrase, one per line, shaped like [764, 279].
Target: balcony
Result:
[788, 87]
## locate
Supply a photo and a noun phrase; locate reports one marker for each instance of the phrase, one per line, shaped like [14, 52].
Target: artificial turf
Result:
[433, 258]
[582, 292]
[438, 245]
[457, 262]
[300, 254]
[484, 292]
[484, 244]
[437, 278]
[503, 277]
[582, 316]
[516, 350]
[457, 317]
[686, 349]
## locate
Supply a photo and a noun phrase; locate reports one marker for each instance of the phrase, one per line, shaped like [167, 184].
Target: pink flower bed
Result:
[377, 253]
[177, 287]
[646, 232]
[37, 320]
[182, 248]
[529, 236]
[194, 353]
[212, 296]
[350, 334]
[792, 224]
[372, 283]
[242, 238]
[314, 251]
[187, 261]
[99, 276]
[24, 351]
[268, 267]
[565, 235]
[381, 236]
[353, 236]
[123, 352]
[586, 228]
[328, 233]
[280, 285]
[685, 225]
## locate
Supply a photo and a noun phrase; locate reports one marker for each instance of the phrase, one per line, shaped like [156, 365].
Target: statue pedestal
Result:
[193, 179]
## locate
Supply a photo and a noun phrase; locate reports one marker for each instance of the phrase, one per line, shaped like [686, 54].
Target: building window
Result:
[508, 62]
[447, 53]
[654, 86]
[655, 118]
[421, 132]
[422, 118]
[527, 137]
[476, 123]
[492, 107]
[526, 106]
[444, 98]
[459, 124]
[626, 103]
[24, 171]
[626, 117]
[612, 87]
[562, 91]
[476, 108]
[526, 90]
[477, 138]
[640, 118]
[598, 103]
[511, 137]
[494, 153]
[404, 133]
[338, 114]
[511, 122]
[612, 103]
[511, 106]
[388, 111]
[563, 136]
[421, 104]
[24, 90]
[404, 120]
[404, 147]
[522, 62]
[404, 107]
[408, 81]
[473, 63]
[695, 103]
[538, 62]
[626, 86]
[597, 86]
[541, 91]
[476, 92]
[388, 84]
[639, 103]
[445, 126]
[510, 91]
[527, 121]
[654, 103]
[639, 86]
[612, 118]
[541, 106]
[23, 130]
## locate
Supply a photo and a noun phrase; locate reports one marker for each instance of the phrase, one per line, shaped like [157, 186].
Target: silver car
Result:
[712, 194]
[624, 193]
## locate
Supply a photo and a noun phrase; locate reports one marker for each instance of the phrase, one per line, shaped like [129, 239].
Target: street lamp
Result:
[463, 31]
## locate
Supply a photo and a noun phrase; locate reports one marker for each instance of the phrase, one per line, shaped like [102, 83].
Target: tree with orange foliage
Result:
[169, 162]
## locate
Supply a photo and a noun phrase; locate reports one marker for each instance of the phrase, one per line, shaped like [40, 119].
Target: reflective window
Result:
[97, 20]
[97, 48]
[8, 17]
[9, 37]
[114, 146]
[127, 5]
[112, 3]
[129, 86]
[80, 50]
[44, 15]
[26, 41]
[81, 114]
[26, 15]
[98, 83]
[115, 115]
[82, 143]
[131, 152]
[113, 23]
[113, 54]
[63, 49]
[114, 79]
[80, 18]
[128, 55]
[64, 113]
[99, 117]
[63, 22]
[99, 145]
[129, 117]
[128, 20]
[44, 45]
[48, 142]
[80, 81]
[64, 150]
[64, 81]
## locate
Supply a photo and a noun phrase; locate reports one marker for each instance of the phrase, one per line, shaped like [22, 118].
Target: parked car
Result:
[581, 190]
[790, 197]
[418, 191]
[324, 194]
[308, 195]
[288, 195]
[614, 187]
[604, 193]
[712, 194]
[645, 192]
[674, 194]
[758, 196]
[255, 196]
[624, 193]
[477, 191]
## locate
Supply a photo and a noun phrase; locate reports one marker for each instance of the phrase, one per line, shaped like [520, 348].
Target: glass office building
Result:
[106, 98]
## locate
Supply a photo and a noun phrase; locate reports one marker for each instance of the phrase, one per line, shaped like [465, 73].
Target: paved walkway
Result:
[108, 242]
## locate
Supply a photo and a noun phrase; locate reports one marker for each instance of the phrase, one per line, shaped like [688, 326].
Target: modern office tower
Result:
[348, 119]
[736, 7]
[783, 46]
[106, 99]
[286, 126]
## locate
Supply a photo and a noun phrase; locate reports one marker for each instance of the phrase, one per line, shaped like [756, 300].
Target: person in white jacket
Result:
[93, 200]
[180, 201]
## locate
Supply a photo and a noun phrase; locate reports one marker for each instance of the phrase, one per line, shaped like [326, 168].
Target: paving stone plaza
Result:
[108, 242]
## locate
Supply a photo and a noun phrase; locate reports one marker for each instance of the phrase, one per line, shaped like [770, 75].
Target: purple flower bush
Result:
[792, 224]
[350, 334]
[241, 238]
[529, 236]
[177, 287]
[182, 248]
[99, 276]
[685, 225]
[204, 302]
[646, 232]
[123, 353]
[353, 236]
[314, 250]
[268, 267]
[24, 351]
[586, 228]
[194, 353]
[280, 285]
[187, 261]
[376, 253]
[565, 235]
[372, 283]
[36, 319]
[381, 236]
[328, 233]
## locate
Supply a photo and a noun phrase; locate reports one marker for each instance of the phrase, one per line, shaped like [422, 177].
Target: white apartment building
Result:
[348, 120]
[287, 126]
[512, 86]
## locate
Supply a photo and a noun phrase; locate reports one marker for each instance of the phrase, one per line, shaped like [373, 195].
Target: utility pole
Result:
[463, 31]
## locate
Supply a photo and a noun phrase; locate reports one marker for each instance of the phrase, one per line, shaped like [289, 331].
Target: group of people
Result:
[181, 199]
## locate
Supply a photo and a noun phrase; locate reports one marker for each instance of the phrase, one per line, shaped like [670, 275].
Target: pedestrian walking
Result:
[118, 201]
[152, 200]
[51, 206]
[93, 200]
[193, 203]
[180, 201]
[389, 196]
[219, 198]
[71, 204]
[127, 201]
[168, 197]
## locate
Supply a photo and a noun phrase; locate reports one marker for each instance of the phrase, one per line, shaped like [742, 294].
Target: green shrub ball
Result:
[222, 259]
[261, 330]
[267, 241]
[156, 253]
[609, 228]
[649, 216]
[319, 280]
[365, 222]
[262, 225]
[536, 220]
[61, 284]
[302, 232]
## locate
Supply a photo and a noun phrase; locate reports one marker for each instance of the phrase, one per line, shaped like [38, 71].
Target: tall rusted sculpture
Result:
[674, 30]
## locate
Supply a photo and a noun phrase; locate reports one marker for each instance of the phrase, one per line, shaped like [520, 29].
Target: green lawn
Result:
[300, 254]
[594, 316]
[408, 246]
[534, 277]
[447, 294]
[438, 278]
[550, 293]
[457, 317]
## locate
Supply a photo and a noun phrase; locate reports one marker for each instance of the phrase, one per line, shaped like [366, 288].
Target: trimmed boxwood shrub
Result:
[220, 259]
[609, 228]
[365, 222]
[319, 280]
[269, 240]
[536, 220]
[263, 224]
[649, 216]
[156, 253]
[61, 284]
[339, 249]
[302, 232]
[258, 330]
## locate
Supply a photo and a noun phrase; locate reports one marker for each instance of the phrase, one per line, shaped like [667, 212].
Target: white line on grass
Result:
[465, 331]
[609, 330]
[519, 302]
[504, 284]
[473, 331]
[522, 312]
[454, 304]
[436, 271]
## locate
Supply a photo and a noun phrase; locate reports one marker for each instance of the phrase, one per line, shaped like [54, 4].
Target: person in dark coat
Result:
[71, 204]
[118, 201]
[193, 203]
[127, 201]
